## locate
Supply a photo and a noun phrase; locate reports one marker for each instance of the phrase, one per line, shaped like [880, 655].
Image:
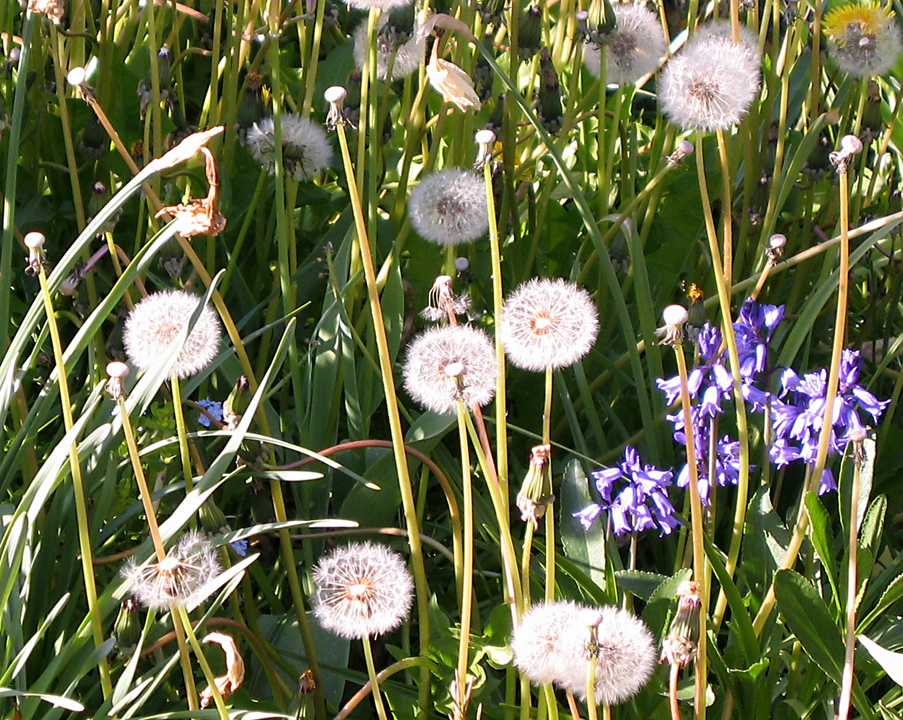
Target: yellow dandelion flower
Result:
[864, 38]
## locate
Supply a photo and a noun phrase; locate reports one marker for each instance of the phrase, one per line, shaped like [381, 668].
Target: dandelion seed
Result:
[712, 82]
[179, 578]
[555, 642]
[156, 322]
[407, 55]
[363, 590]
[451, 363]
[443, 302]
[633, 49]
[449, 207]
[305, 146]
[548, 324]
[863, 38]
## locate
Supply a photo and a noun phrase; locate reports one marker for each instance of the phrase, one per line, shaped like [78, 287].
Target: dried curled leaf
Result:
[454, 84]
[235, 669]
[53, 9]
[200, 217]
[185, 149]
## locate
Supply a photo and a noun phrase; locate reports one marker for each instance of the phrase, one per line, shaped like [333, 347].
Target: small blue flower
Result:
[214, 408]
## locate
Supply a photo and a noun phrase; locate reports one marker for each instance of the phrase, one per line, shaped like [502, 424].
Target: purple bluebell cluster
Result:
[634, 495]
[640, 501]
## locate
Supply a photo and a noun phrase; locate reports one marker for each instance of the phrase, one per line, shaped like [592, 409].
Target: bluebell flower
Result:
[754, 327]
[726, 465]
[635, 496]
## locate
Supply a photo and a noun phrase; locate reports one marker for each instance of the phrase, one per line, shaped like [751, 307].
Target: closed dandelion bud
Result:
[94, 140]
[179, 578]
[529, 38]
[399, 27]
[363, 590]
[449, 207]
[710, 84]
[448, 364]
[127, 629]
[157, 321]
[632, 48]
[548, 324]
[863, 38]
[679, 646]
[212, 518]
[497, 118]
[600, 22]
[536, 490]
[237, 402]
[818, 163]
[549, 94]
[491, 11]
[252, 108]
[305, 147]
[872, 122]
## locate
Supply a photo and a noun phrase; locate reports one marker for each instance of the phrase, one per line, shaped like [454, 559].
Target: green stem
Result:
[467, 594]
[187, 671]
[78, 487]
[202, 659]
[374, 680]
[182, 432]
[549, 515]
[846, 687]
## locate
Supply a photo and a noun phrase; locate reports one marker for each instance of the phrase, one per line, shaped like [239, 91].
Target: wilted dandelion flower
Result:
[864, 38]
[712, 82]
[634, 48]
[555, 642]
[363, 590]
[305, 146]
[179, 578]
[548, 324]
[156, 322]
[448, 363]
[449, 207]
[407, 55]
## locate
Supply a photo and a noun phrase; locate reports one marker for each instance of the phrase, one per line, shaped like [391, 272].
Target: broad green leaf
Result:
[892, 662]
[821, 535]
[586, 548]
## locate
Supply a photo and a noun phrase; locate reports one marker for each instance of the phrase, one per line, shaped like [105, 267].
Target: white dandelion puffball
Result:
[363, 590]
[448, 363]
[408, 55]
[384, 5]
[711, 83]
[555, 642]
[548, 324]
[449, 207]
[305, 146]
[864, 38]
[179, 578]
[636, 46]
[156, 321]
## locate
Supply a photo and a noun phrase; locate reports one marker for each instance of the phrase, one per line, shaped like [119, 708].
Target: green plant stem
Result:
[381, 676]
[814, 477]
[700, 573]
[846, 685]
[374, 679]
[182, 432]
[592, 709]
[78, 487]
[191, 690]
[401, 465]
[549, 515]
[185, 621]
[467, 593]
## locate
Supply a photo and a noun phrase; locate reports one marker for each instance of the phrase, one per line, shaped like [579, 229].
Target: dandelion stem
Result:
[467, 592]
[374, 679]
[550, 510]
[182, 432]
[81, 507]
[202, 659]
[592, 709]
[846, 687]
[187, 671]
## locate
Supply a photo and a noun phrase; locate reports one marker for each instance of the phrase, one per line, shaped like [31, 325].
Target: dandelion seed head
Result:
[156, 321]
[447, 363]
[179, 578]
[625, 656]
[634, 48]
[712, 82]
[408, 55]
[384, 5]
[449, 207]
[305, 146]
[363, 590]
[548, 324]
[864, 38]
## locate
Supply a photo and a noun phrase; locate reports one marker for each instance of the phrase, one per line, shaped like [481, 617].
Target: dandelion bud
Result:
[37, 260]
[449, 207]
[179, 578]
[679, 647]
[212, 518]
[127, 629]
[237, 402]
[549, 104]
[529, 38]
[117, 372]
[536, 490]
[157, 321]
[548, 324]
[448, 364]
[363, 590]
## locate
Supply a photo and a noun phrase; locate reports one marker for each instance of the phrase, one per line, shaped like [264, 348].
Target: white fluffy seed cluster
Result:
[384, 5]
[407, 56]
[156, 321]
[555, 642]
[179, 578]
[636, 45]
[449, 207]
[447, 363]
[363, 590]
[548, 324]
[305, 146]
[710, 84]
[864, 38]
